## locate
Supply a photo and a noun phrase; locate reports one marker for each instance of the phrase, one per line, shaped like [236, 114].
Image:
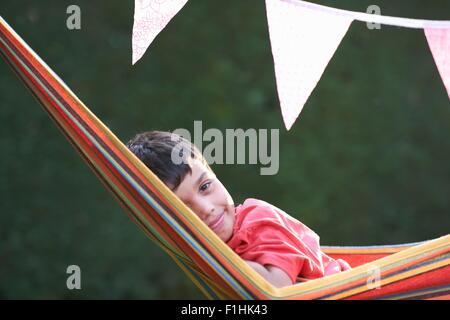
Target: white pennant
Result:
[150, 17]
[303, 41]
[439, 43]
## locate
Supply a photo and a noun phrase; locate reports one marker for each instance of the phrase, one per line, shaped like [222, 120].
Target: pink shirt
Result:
[267, 235]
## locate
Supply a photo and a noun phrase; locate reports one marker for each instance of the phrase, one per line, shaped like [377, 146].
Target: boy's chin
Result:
[226, 236]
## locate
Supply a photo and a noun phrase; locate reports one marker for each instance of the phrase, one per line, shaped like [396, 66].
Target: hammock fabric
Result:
[409, 271]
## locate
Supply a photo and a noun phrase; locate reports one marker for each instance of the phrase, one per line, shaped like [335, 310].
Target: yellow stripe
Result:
[362, 250]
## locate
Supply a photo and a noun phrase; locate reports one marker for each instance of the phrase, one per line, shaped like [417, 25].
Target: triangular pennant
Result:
[150, 17]
[303, 42]
[439, 43]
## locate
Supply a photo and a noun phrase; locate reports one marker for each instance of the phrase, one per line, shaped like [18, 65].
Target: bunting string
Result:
[372, 18]
[303, 36]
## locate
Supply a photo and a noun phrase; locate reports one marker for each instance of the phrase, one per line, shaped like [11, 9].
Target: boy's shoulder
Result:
[254, 210]
[256, 205]
[249, 202]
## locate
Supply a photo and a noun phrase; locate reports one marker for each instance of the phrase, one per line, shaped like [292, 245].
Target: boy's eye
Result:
[205, 186]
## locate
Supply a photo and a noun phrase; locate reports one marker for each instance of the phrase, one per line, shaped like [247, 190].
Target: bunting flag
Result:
[150, 17]
[439, 42]
[303, 42]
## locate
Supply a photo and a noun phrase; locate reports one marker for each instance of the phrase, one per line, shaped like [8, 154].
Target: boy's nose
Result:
[206, 211]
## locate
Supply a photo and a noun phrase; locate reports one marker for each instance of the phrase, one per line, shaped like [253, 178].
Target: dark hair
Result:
[154, 149]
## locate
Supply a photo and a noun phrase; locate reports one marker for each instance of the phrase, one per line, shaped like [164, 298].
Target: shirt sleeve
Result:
[269, 243]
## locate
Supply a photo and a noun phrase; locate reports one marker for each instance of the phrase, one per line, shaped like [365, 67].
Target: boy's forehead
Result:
[197, 166]
[191, 179]
[198, 169]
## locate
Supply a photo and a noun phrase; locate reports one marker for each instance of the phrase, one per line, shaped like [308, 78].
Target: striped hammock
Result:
[409, 271]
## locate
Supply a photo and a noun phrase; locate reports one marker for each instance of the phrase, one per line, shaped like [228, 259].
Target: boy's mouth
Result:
[217, 221]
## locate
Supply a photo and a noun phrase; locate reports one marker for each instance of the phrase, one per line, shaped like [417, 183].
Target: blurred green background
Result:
[366, 163]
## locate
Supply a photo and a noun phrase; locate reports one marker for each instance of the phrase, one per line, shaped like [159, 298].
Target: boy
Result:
[277, 246]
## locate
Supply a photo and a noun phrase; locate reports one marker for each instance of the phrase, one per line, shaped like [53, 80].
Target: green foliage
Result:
[366, 162]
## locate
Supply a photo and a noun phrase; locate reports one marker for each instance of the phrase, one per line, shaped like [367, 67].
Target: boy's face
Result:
[207, 197]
